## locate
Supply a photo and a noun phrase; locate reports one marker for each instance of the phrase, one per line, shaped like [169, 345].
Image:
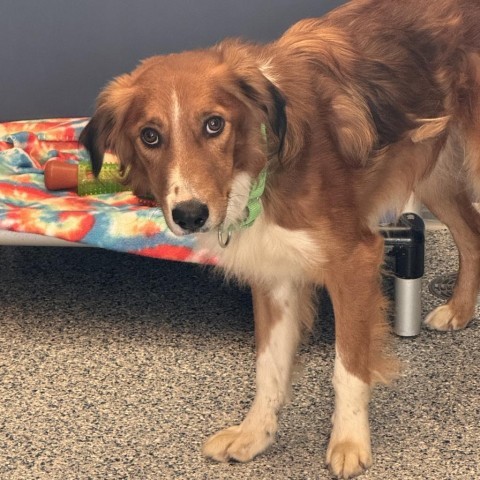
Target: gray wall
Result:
[55, 55]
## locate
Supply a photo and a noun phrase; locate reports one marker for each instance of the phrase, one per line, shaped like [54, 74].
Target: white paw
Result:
[348, 459]
[444, 318]
[237, 443]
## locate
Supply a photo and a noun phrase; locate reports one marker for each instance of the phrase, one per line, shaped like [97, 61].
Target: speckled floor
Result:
[118, 367]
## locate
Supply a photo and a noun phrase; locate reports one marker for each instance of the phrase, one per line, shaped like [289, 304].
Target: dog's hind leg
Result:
[353, 282]
[280, 311]
[446, 192]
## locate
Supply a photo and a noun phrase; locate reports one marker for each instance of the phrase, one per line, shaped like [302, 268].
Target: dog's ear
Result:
[250, 86]
[268, 97]
[101, 132]
[94, 138]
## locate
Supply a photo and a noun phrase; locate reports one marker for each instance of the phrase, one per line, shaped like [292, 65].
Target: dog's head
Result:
[187, 129]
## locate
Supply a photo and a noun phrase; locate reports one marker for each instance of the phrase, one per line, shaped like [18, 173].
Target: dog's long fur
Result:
[378, 99]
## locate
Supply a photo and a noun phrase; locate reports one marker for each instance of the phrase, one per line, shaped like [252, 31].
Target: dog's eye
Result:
[150, 137]
[214, 126]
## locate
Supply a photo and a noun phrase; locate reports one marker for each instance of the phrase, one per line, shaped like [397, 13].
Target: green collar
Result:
[254, 205]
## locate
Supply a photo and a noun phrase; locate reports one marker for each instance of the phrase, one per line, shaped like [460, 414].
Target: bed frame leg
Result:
[405, 244]
[408, 306]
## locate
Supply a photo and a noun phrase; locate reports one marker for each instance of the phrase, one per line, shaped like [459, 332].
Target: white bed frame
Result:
[33, 240]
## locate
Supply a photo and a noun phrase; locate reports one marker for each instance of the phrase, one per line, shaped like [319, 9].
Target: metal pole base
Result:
[408, 306]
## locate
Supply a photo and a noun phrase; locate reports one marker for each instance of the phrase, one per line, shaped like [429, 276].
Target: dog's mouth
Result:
[182, 232]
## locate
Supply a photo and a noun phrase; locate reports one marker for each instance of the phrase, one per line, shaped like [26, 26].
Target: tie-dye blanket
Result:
[113, 221]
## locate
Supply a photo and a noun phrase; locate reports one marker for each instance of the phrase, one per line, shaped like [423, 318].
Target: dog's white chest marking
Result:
[238, 198]
[264, 252]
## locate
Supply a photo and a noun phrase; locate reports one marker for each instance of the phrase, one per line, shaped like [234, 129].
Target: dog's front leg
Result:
[349, 451]
[361, 360]
[279, 313]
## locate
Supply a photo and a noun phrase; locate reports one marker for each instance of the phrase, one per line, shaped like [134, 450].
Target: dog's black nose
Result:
[190, 215]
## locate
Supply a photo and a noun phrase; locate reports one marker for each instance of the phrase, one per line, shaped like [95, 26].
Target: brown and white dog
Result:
[378, 99]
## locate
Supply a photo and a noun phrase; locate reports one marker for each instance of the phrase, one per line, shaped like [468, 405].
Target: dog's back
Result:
[392, 71]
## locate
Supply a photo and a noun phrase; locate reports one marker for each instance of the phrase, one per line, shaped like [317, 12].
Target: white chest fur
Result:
[264, 253]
